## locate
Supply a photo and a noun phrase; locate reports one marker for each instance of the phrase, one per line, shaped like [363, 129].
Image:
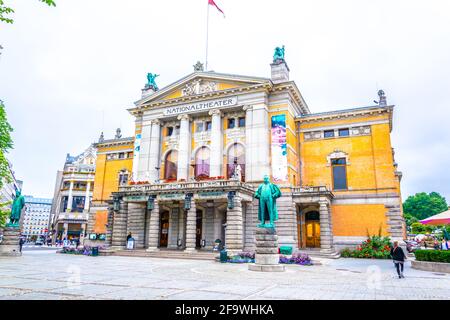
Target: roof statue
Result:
[102, 137]
[198, 67]
[151, 81]
[118, 134]
[279, 54]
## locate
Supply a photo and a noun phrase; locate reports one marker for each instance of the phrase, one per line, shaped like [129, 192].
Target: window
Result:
[235, 158]
[344, 132]
[170, 165]
[231, 123]
[169, 131]
[339, 171]
[199, 127]
[208, 125]
[123, 178]
[202, 162]
[121, 155]
[177, 130]
[241, 122]
[328, 133]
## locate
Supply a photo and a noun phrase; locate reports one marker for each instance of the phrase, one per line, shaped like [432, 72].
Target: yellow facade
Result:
[107, 178]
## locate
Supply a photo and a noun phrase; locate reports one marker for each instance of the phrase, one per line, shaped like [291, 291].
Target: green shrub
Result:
[432, 255]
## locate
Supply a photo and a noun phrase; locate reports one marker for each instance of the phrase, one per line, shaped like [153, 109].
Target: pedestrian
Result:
[77, 242]
[398, 256]
[436, 245]
[21, 242]
[444, 245]
[129, 236]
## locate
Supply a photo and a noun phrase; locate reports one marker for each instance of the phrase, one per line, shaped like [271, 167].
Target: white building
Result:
[36, 217]
[73, 194]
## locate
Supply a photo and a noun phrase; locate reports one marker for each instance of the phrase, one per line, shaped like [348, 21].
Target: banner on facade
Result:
[136, 153]
[279, 149]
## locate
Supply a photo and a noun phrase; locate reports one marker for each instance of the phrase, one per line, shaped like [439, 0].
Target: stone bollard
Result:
[267, 256]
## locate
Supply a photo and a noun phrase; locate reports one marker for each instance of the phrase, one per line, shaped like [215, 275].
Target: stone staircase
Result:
[167, 254]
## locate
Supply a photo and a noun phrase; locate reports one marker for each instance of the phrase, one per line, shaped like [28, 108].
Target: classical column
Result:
[109, 226]
[154, 153]
[70, 198]
[248, 142]
[87, 197]
[216, 143]
[191, 227]
[260, 143]
[184, 147]
[154, 229]
[234, 231]
[83, 232]
[119, 227]
[144, 154]
[181, 228]
[326, 236]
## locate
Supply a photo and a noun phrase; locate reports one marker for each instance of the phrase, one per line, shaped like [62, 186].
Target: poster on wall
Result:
[279, 149]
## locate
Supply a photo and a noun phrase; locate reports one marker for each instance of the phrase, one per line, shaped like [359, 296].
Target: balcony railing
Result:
[185, 186]
[310, 189]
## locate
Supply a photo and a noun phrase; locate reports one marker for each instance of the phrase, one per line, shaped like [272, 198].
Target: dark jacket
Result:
[397, 254]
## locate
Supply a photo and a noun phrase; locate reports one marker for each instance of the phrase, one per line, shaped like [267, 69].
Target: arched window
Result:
[235, 158]
[170, 165]
[202, 162]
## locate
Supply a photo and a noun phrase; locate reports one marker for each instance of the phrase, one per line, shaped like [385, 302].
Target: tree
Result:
[422, 205]
[4, 213]
[5, 145]
[5, 10]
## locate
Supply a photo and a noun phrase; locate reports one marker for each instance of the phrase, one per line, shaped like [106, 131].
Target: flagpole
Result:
[207, 37]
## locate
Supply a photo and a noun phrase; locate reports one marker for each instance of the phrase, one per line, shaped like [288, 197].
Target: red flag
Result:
[211, 2]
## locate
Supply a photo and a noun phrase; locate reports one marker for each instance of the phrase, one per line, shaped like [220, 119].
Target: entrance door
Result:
[198, 229]
[312, 226]
[164, 230]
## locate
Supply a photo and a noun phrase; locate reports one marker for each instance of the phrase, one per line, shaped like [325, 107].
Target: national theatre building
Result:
[202, 146]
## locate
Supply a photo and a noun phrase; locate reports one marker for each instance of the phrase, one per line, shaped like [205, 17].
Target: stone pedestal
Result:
[10, 244]
[267, 257]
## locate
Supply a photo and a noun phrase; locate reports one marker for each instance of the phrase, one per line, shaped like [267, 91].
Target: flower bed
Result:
[375, 247]
[242, 257]
[296, 258]
[83, 250]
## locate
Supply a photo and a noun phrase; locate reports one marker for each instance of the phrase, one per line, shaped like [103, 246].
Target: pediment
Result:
[200, 83]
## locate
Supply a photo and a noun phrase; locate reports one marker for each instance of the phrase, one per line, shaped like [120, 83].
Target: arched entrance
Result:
[312, 229]
[164, 230]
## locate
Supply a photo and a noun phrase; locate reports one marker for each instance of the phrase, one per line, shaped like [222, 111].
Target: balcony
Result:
[187, 186]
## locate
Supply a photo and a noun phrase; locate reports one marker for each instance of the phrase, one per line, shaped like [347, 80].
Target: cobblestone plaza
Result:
[46, 275]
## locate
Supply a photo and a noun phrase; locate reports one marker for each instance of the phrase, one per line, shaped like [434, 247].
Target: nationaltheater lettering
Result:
[201, 106]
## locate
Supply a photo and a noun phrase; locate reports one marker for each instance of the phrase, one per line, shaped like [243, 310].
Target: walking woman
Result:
[399, 257]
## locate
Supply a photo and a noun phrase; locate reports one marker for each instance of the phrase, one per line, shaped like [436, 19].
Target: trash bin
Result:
[223, 256]
[94, 251]
[286, 250]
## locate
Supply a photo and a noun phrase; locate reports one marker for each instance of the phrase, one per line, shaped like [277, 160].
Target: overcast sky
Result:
[68, 73]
